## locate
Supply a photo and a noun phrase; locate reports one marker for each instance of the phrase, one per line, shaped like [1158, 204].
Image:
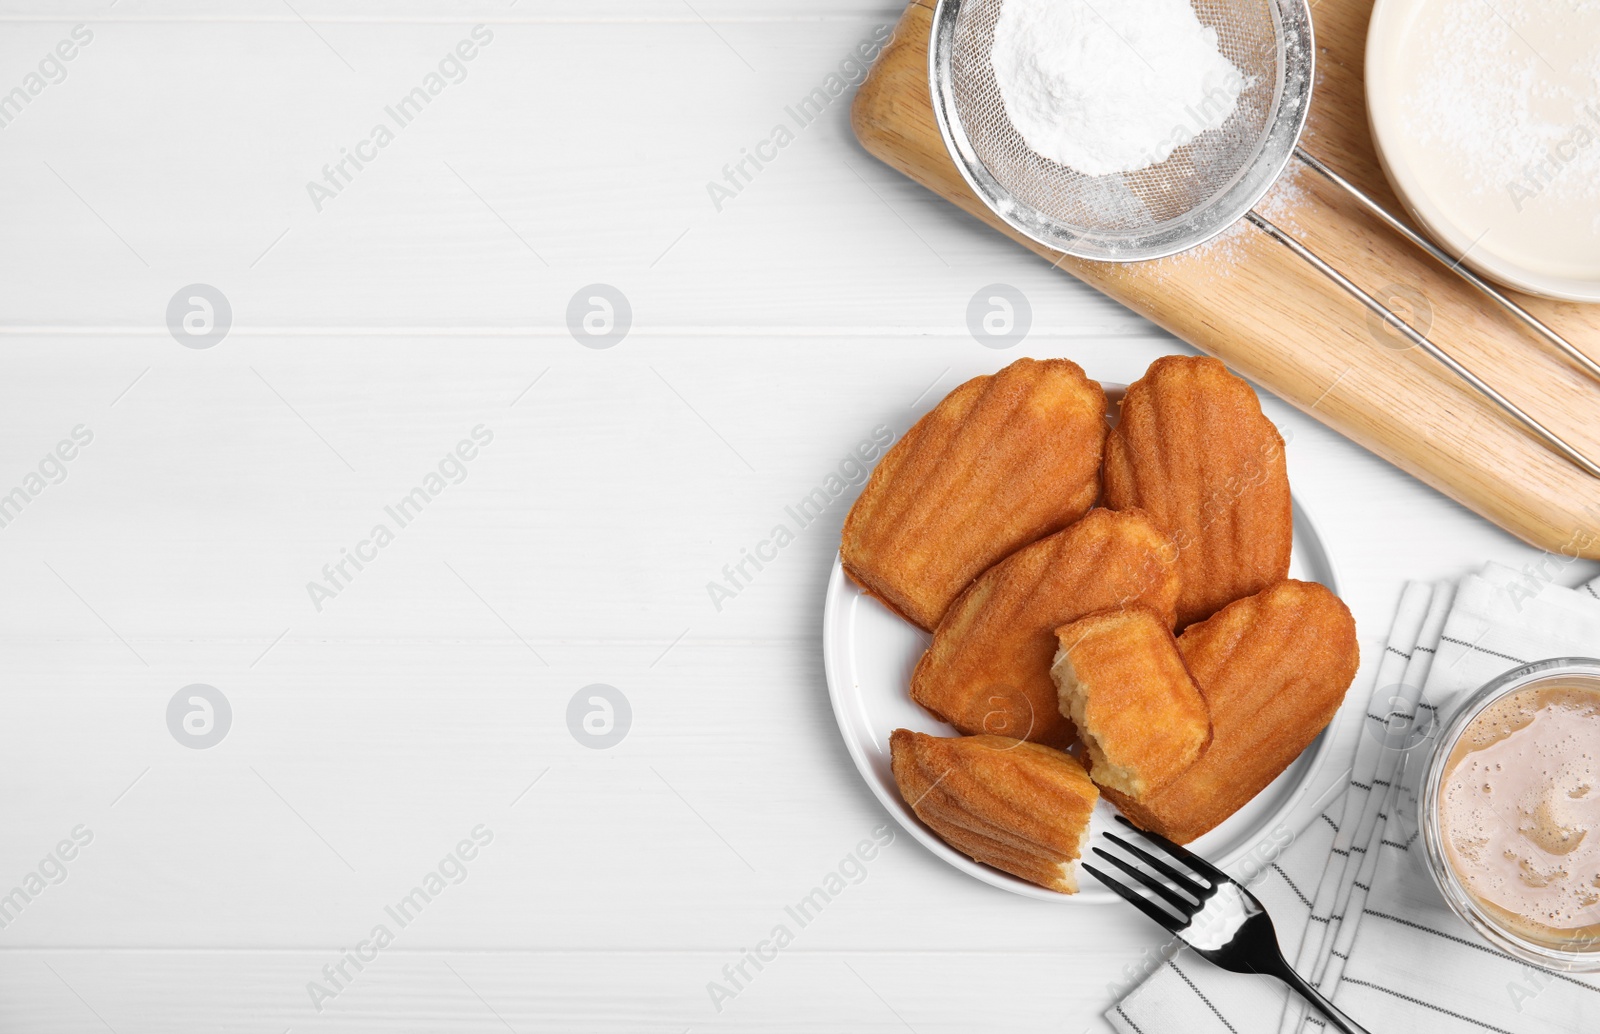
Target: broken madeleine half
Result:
[1273, 668]
[1002, 461]
[1123, 683]
[1193, 450]
[988, 668]
[1018, 806]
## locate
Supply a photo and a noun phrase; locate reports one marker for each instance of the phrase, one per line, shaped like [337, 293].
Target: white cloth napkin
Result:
[1355, 908]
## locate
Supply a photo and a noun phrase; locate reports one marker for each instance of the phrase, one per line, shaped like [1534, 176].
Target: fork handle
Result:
[1283, 971]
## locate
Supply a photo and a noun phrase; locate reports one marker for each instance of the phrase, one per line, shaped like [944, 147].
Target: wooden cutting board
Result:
[1248, 301]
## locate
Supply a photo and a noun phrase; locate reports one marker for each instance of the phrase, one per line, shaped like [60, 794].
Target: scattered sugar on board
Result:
[1221, 254]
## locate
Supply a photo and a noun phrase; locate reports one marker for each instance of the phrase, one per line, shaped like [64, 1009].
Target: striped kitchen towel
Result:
[1355, 908]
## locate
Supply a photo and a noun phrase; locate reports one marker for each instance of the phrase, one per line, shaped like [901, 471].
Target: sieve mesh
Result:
[1200, 189]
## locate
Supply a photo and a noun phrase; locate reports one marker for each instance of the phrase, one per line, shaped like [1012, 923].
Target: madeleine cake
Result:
[1273, 668]
[1194, 451]
[1123, 683]
[1002, 461]
[1018, 806]
[988, 668]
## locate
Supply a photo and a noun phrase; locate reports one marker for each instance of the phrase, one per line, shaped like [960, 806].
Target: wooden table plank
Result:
[180, 543]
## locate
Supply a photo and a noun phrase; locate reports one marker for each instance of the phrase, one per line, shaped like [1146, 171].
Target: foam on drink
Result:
[1520, 813]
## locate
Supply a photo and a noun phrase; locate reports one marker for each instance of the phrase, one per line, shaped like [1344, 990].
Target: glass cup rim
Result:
[1454, 891]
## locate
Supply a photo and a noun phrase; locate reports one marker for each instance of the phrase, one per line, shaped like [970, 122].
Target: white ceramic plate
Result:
[868, 655]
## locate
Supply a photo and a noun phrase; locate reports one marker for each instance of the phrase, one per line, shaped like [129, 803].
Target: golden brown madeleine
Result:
[1274, 668]
[1007, 803]
[1003, 461]
[1195, 452]
[988, 670]
[1124, 685]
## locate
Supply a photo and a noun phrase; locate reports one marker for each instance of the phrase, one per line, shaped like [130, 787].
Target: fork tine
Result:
[1166, 919]
[1189, 858]
[1184, 880]
[1184, 906]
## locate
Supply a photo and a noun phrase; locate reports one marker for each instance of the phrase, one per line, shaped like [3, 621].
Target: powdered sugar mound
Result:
[1110, 87]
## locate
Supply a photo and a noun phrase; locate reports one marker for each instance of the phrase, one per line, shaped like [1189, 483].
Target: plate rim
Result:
[840, 591]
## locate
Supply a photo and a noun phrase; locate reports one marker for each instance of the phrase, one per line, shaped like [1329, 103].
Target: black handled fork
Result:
[1212, 913]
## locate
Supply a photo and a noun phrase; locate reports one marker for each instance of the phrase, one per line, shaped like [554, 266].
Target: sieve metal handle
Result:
[1410, 333]
[1455, 265]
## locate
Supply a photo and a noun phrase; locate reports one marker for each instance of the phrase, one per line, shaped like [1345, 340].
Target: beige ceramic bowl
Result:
[1510, 245]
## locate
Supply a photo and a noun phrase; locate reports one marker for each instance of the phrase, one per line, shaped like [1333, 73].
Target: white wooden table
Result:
[428, 696]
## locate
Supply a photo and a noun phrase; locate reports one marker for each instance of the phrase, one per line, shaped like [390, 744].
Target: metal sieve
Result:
[1202, 188]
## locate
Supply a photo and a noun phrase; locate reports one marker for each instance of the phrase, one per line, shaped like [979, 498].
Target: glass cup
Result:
[1574, 954]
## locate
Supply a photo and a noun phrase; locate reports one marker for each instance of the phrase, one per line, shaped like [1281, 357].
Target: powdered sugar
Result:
[1488, 116]
[1219, 256]
[1511, 112]
[1105, 87]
